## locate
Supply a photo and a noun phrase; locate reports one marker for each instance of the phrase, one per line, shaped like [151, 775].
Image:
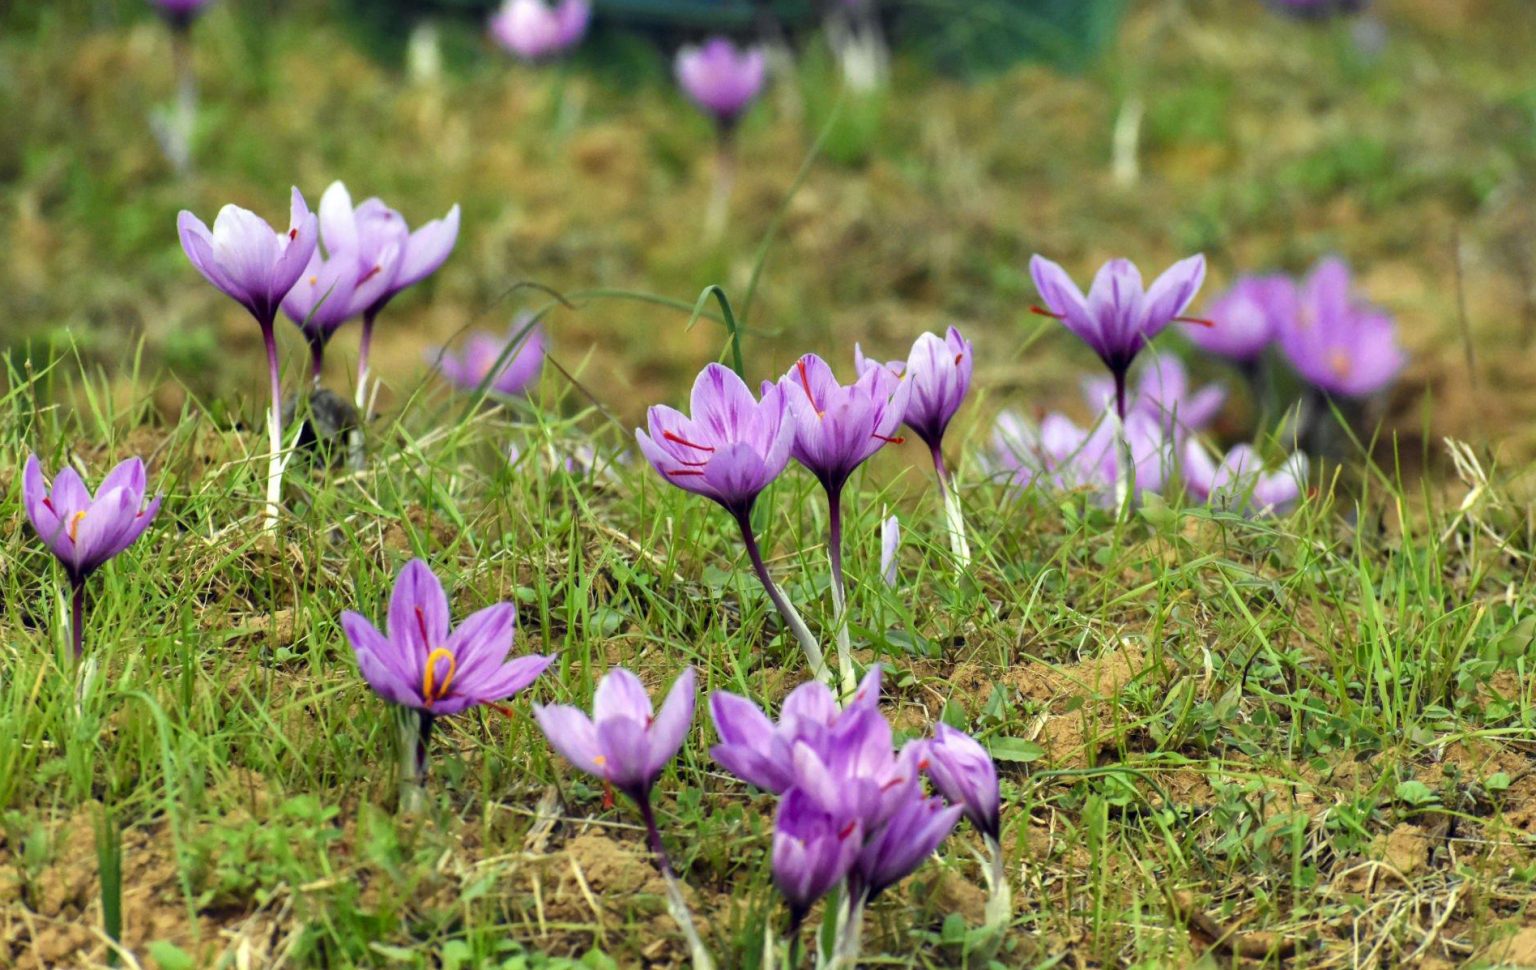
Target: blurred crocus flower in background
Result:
[508, 365]
[535, 30]
[84, 531]
[1119, 316]
[721, 79]
[1247, 317]
[179, 13]
[627, 743]
[256, 266]
[837, 429]
[813, 850]
[1239, 482]
[1060, 455]
[426, 665]
[939, 369]
[1163, 393]
[1337, 341]
[730, 449]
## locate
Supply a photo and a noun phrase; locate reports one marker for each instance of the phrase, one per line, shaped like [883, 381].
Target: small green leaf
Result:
[1415, 793]
[170, 956]
[1015, 749]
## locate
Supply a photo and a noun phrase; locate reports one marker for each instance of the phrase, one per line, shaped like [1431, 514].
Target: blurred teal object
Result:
[978, 37]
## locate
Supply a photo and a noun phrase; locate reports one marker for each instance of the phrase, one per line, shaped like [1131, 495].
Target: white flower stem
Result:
[839, 592]
[274, 432]
[999, 894]
[415, 735]
[850, 935]
[954, 516]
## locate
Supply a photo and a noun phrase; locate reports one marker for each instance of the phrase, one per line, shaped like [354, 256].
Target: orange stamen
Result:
[1338, 362]
[74, 526]
[893, 441]
[431, 690]
[805, 382]
[1197, 321]
[1042, 311]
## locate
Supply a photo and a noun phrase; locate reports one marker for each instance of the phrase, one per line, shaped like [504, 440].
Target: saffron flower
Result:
[731, 449]
[507, 365]
[912, 834]
[1338, 342]
[813, 851]
[627, 743]
[1247, 317]
[856, 773]
[1163, 393]
[962, 771]
[256, 267]
[837, 429]
[721, 79]
[320, 302]
[762, 753]
[1118, 317]
[179, 13]
[424, 664]
[534, 30]
[84, 531]
[389, 257]
[1239, 481]
[939, 370]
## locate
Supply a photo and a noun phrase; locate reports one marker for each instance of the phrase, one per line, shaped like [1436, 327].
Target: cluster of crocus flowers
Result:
[852, 807]
[506, 365]
[837, 429]
[536, 30]
[82, 530]
[939, 370]
[1163, 393]
[728, 450]
[1240, 483]
[626, 743]
[1059, 455]
[432, 669]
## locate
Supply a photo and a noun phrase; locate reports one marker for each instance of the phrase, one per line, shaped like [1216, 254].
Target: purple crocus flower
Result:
[1247, 317]
[760, 752]
[1118, 317]
[731, 449]
[964, 774]
[1163, 393]
[856, 773]
[626, 742]
[912, 834]
[837, 429]
[390, 258]
[179, 13]
[534, 30]
[320, 302]
[256, 266]
[813, 851]
[721, 79]
[939, 370]
[1339, 343]
[425, 664]
[84, 531]
[515, 359]
[1239, 482]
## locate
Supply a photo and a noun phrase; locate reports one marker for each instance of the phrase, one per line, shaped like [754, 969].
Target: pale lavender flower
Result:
[1059, 455]
[963, 772]
[720, 78]
[813, 851]
[508, 365]
[535, 30]
[1246, 319]
[890, 549]
[1240, 482]
[1337, 341]
[912, 834]
[1163, 393]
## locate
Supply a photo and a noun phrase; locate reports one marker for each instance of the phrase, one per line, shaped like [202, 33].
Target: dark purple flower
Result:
[1239, 482]
[838, 428]
[1162, 393]
[245, 258]
[84, 531]
[731, 448]
[760, 752]
[424, 663]
[1246, 319]
[1338, 342]
[1118, 316]
[964, 774]
[626, 742]
[894, 851]
[721, 79]
[516, 360]
[812, 852]
[534, 30]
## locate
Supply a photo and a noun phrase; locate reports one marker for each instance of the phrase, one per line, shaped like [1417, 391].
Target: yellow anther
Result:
[1338, 362]
[599, 760]
[431, 690]
[74, 526]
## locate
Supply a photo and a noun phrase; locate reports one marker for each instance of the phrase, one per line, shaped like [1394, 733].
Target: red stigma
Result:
[504, 711]
[372, 273]
[607, 795]
[680, 472]
[958, 359]
[891, 441]
[847, 830]
[48, 503]
[679, 439]
[922, 764]
[293, 234]
[898, 780]
[1043, 312]
[421, 625]
[1197, 321]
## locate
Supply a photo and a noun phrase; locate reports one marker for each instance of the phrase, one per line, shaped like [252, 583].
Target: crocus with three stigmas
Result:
[256, 267]
[731, 449]
[84, 531]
